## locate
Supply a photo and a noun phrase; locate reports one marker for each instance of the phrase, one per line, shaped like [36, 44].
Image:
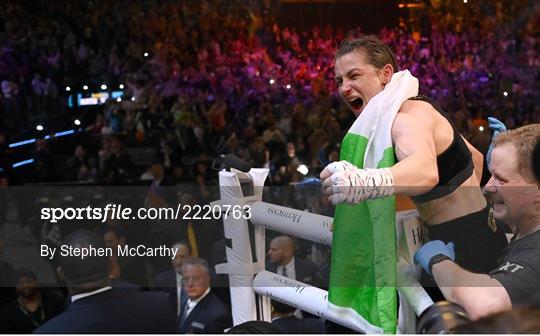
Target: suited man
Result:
[203, 313]
[132, 269]
[170, 281]
[98, 308]
[283, 262]
[285, 321]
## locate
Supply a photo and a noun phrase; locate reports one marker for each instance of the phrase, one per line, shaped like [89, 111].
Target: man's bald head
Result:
[285, 241]
[281, 250]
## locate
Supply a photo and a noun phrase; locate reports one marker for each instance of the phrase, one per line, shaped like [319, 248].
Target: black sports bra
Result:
[454, 164]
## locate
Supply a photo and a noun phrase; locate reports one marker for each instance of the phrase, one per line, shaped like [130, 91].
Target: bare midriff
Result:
[466, 199]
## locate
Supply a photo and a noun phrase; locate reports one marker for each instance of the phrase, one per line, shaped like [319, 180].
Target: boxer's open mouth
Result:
[357, 103]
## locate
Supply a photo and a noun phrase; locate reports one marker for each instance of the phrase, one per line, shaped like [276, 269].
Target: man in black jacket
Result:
[283, 262]
[96, 307]
[32, 307]
[170, 281]
[203, 313]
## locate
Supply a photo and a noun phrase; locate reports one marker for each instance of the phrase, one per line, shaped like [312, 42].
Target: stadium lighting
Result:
[39, 128]
[22, 143]
[505, 94]
[103, 87]
[410, 5]
[288, 86]
[22, 163]
[121, 86]
[481, 128]
[68, 88]
[63, 133]
[77, 122]
[85, 87]
[271, 81]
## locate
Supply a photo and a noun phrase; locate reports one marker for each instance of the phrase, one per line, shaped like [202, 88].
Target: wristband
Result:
[435, 260]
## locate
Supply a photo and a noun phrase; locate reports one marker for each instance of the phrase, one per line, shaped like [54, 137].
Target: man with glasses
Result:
[203, 313]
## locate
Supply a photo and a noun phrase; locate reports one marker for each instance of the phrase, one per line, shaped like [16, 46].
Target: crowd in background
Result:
[224, 77]
[207, 78]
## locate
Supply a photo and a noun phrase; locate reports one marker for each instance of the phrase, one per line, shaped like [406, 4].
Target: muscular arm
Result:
[412, 135]
[479, 294]
[478, 159]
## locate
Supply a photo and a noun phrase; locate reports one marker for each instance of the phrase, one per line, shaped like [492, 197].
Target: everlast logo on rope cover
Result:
[294, 217]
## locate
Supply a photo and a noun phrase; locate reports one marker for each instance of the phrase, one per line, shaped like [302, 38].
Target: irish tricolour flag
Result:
[364, 252]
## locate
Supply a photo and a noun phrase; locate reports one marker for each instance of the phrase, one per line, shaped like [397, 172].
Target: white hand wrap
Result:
[345, 183]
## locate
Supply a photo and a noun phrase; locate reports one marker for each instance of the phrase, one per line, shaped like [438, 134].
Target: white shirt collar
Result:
[290, 264]
[83, 295]
[291, 272]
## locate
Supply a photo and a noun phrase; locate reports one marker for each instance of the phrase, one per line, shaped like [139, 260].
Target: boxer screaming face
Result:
[358, 81]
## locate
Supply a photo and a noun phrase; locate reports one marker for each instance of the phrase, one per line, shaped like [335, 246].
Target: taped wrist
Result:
[376, 183]
[352, 185]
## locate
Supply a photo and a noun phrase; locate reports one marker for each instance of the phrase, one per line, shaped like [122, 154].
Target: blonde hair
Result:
[524, 140]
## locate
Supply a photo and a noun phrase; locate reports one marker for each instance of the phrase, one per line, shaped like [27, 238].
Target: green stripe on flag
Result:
[364, 253]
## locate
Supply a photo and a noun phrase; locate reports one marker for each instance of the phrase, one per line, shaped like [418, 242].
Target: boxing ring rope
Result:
[247, 278]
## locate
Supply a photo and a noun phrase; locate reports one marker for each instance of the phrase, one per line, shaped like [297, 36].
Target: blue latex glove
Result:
[431, 249]
[497, 127]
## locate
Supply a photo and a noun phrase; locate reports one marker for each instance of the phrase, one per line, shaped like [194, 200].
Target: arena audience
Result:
[206, 78]
[250, 77]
